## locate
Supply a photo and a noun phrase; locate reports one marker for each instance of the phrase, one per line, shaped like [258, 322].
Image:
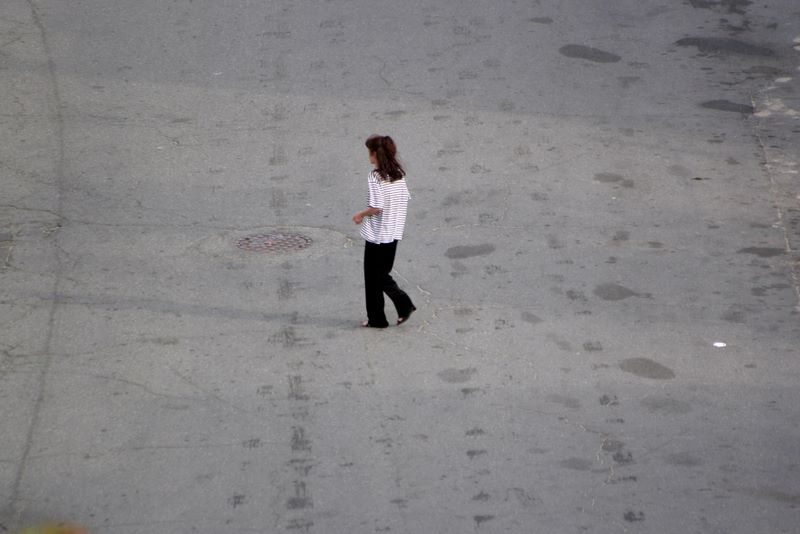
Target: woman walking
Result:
[382, 225]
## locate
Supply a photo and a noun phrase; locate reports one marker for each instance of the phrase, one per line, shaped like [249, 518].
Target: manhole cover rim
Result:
[273, 242]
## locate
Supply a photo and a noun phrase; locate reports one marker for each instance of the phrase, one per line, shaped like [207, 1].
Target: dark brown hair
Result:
[386, 155]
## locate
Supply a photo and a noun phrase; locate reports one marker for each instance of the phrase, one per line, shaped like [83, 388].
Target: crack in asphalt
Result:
[15, 498]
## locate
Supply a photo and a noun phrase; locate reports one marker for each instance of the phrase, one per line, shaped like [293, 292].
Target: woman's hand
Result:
[369, 212]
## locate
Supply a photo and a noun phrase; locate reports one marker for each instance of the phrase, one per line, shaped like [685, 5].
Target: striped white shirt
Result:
[392, 199]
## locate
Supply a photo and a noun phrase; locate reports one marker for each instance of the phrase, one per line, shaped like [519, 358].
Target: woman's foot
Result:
[366, 324]
[404, 318]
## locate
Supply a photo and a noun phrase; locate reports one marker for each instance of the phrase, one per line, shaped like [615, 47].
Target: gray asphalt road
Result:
[602, 245]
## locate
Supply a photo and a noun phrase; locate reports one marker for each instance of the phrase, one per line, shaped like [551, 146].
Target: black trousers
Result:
[378, 263]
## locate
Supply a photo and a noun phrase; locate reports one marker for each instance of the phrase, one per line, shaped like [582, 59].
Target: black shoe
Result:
[404, 318]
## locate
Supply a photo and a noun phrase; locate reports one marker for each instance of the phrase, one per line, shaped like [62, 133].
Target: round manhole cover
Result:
[273, 242]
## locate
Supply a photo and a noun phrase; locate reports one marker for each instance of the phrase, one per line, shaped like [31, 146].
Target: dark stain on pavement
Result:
[554, 242]
[730, 6]
[578, 464]
[567, 402]
[773, 494]
[301, 500]
[237, 500]
[727, 105]
[297, 389]
[627, 81]
[766, 71]
[612, 445]
[560, 342]
[481, 497]
[528, 317]
[576, 294]
[522, 497]
[6, 246]
[623, 457]
[683, 459]
[646, 368]
[666, 405]
[679, 170]
[614, 292]
[632, 517]
[457, 376]
[587, 52]
[611, 178]
[723, 45]
[299, 440]
[609, 400]
[620, 236]
[764, 252]
[735, 316]
[468, 251]
[480, 519]
[401, 503]
[762, 291]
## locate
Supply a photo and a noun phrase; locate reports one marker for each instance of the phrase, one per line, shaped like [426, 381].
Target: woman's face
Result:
[372, 158]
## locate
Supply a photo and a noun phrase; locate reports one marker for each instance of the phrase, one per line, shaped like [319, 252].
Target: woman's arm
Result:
[365, 213]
